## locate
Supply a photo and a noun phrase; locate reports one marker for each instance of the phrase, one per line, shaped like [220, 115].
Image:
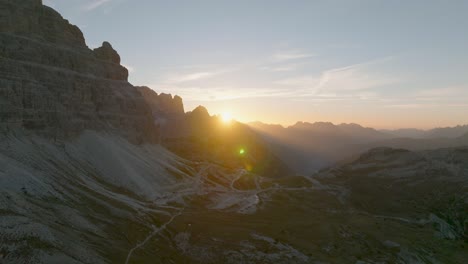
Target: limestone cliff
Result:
[162, 105]
[53, 84]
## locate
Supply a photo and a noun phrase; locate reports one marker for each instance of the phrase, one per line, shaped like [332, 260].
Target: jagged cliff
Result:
[162, 104]
[53, 84]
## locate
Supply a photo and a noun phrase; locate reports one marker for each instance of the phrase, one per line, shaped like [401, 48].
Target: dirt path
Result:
[151, 235]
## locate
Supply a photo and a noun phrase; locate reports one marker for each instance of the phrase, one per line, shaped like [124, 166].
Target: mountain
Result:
[198, 136]
[95, 170]
[421, 143]
[308, 147]
[83, 178]
[420, 195]
[310, 131]
[442, 132]
[406, 132]
[101, 199]
[450, 132]
[54, 85]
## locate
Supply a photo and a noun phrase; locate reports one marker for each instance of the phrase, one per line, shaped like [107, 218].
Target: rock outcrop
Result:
[53, 84]
[162, 105]
[31, 19]
[107, 53]
[200, 113]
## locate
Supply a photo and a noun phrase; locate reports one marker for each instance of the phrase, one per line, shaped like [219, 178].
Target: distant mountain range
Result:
[441, 132]
[307, 147]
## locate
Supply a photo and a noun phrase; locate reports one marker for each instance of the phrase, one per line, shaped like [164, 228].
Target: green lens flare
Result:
[242, 151]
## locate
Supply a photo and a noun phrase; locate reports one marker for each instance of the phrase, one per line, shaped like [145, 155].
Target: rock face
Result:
[30, 18]
[107, 53]
[53, 84]
[162, 105]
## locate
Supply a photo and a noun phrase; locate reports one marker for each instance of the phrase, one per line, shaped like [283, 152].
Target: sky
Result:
[384, 64]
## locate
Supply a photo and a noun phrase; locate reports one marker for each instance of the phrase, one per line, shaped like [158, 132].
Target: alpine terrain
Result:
[96, 170]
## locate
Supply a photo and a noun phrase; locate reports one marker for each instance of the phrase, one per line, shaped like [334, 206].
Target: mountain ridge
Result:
[308, 147]
[438, 132]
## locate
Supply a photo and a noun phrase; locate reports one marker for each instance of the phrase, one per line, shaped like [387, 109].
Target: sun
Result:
[226, 117]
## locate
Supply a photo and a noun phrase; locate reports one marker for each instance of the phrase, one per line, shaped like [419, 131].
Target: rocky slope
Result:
[100, 199]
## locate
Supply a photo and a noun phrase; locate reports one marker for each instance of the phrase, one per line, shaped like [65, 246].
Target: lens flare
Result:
[241, 151]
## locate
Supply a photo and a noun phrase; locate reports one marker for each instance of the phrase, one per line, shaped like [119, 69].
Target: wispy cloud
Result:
[406, 106]
[426, 105]
[250, 80]
[300, 81]
[344, 79]
[443, 92]
[95, 4]
[354, 77]
[280, 68]
[291, 55]
[182, 78]
[220, 93]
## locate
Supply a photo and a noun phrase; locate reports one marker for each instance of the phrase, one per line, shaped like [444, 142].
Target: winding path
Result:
[151, 235]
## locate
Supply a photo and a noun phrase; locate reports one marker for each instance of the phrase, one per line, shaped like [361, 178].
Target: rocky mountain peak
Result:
[106, 52]
[30, 19]
[162, 105]
[53, 84]
[200, 112]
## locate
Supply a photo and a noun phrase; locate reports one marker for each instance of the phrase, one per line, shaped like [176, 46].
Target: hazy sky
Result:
[385, 64]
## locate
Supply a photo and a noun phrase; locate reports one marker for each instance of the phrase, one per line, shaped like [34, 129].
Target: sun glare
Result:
[226, 117]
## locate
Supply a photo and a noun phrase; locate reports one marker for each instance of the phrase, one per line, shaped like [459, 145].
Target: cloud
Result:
[254, 80]
[351, 78]
[95, 4]
[182, 78]
[219, 93]
[406, 106]
[426, 105]
[280, 68]
[300, 81]
[442, 92]
[354, 77]
[291, 55]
